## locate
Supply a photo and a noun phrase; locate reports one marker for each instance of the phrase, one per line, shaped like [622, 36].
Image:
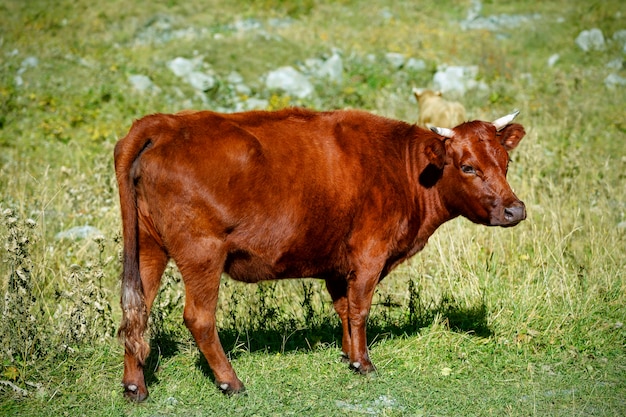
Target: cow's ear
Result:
[436, 153]
[511, 135]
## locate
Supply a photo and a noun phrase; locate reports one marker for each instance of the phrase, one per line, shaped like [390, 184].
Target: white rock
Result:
[386, 14]
[457, 79]
[474, 20]
[395, 59]
[30, 62]
[590, 40]
[201, 81]
[332, 69]
[247, 25]
[498, 22]
[313, 64]
[613, 80]
[553, 59]
[182, 67]
[251, 104]
[474, 10]
[620, 36]
[280, 22]
[242, 89]
[415, 64]
[142, 83]
[234, 78]
[289, 80]
[615, 64]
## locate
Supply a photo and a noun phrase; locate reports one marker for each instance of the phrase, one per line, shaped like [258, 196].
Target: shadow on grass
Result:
[326, 330]
[163, 345]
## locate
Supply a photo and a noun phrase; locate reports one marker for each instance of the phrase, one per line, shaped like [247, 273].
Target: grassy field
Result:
[521, 321]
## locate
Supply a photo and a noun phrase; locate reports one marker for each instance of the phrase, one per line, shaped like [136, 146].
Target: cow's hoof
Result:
[359, 368]
[344, 357]
[229, 389]
[133, 393]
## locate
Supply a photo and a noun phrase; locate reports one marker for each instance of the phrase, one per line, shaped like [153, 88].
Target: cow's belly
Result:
[242, 266]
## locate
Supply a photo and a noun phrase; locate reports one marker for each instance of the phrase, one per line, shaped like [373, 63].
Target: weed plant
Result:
[22, 342]
[520, 321]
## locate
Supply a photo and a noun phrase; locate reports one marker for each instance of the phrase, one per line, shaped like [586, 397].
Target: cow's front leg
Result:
[360, 293]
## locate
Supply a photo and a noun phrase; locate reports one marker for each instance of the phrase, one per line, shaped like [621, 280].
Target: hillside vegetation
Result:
[485, 321]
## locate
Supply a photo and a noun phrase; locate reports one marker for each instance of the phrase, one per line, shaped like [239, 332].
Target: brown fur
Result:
[344, 196]
[434, 110]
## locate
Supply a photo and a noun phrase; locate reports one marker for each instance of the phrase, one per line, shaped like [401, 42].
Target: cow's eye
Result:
[467, 169]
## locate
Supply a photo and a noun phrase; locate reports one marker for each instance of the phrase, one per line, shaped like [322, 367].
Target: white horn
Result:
[443, 131]
[505, 120]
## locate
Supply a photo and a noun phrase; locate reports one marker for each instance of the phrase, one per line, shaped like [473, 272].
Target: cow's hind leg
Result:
[202, 280]
[338, 289]
[152, 262]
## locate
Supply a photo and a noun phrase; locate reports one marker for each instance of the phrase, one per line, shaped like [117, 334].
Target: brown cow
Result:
[344, 196]
[434, 110]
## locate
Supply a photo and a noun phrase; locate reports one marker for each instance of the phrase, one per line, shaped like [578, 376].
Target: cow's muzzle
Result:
[514, 214]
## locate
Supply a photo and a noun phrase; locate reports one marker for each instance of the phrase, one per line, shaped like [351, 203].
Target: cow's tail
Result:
[134, 311]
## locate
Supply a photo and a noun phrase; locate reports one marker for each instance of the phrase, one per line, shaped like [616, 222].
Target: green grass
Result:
[521, 321]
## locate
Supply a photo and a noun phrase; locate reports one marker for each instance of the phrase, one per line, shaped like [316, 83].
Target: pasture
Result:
[484, 321]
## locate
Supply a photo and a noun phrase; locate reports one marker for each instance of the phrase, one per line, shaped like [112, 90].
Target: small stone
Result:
[616, 64]
[234, 78]
[201, 81]
[590, 40]
[553, 59]
[30, 62]
[457, 79]
[142, 83]
[395, 59]
[251, 103]
[415, 64]
[182, 67]
[289, 80]
[620, 36]
[613, 80]
[332, 69]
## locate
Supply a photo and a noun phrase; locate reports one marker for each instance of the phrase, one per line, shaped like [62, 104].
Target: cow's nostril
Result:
[515, 213]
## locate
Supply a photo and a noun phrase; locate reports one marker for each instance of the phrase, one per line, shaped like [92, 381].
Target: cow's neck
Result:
[429, 211]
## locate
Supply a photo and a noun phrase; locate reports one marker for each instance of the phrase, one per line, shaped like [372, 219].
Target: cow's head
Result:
[474, 158]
